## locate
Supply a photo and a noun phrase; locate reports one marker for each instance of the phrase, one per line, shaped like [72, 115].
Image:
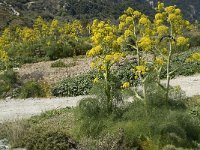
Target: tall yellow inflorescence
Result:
[169, 22]
[106, 45]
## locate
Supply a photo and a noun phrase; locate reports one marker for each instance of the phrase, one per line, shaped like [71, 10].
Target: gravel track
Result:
[11, 110]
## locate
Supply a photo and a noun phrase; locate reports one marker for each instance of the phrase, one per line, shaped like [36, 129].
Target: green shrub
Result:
[172, 134]
[81, 46]
[75, 86]
[33, 88]
[50, 140]
[125, 74]
[68, 49]
[8, 81]
[191, 125]
[58, 63]
[194, 41]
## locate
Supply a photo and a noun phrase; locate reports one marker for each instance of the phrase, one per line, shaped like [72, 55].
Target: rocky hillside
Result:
[14, 12]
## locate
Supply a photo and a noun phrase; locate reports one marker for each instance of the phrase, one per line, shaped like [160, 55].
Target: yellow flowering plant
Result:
[4, 58]
[194, 57]
[169, 27]
[105, 53]
[136, 26]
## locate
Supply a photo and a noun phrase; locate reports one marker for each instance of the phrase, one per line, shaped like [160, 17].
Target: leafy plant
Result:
[8, 82]
[58, 63]
[79, 85]
[50, 140]
[34, 88]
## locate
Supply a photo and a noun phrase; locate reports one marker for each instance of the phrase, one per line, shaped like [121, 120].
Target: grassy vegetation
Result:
[61, 64]
[180, 59]
[127, 128]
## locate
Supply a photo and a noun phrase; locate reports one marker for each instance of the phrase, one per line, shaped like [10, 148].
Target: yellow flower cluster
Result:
[129, 20]
[180, 41]
[170, 9]
[40, 27]
[53, 27]
[103, 33]
[160, 6]
[3, 56]
[114, 57]
[170, 16]
[140, 70]
[96, 80]
[120, 40]
[159, 61]
[144, 21]
[145, 43]
[6, 38]
[28, 34]
[125, 85]
[71, 29]
[159, 16]
[194, 57]
[94, 51]
[162, 30]
[128, 33]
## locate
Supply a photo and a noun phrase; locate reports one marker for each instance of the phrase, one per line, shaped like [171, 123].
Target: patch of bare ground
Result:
[43, 70]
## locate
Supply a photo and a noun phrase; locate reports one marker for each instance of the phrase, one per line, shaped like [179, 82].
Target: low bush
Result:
[58, 63]
[50, 140]
[75, 86]
[49, 131]
[194, 41]
[70, 48]
[8, 81]
[61, 64]
[34, 88]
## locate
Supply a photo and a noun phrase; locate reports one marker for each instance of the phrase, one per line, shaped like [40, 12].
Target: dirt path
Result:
[15, 109]
[189, 84]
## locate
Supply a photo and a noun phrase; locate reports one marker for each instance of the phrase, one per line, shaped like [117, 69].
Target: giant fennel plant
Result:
[152, 41]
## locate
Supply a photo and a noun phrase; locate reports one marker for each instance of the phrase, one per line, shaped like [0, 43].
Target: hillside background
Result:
[23, 12]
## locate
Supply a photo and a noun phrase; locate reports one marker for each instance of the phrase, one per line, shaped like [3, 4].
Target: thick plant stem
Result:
[138, 57]
[145, 96]
[169, 63]
[108, 88]
[168, 71]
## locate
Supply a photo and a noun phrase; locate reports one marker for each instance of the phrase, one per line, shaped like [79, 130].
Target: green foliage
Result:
[179, 60]
[75, 86]
[8, 81]
[163, 124]
[49, 140]
[162, 128]
[125, 74]
[195, 41]
[34, 88]
[58, 63]
[50, 130]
